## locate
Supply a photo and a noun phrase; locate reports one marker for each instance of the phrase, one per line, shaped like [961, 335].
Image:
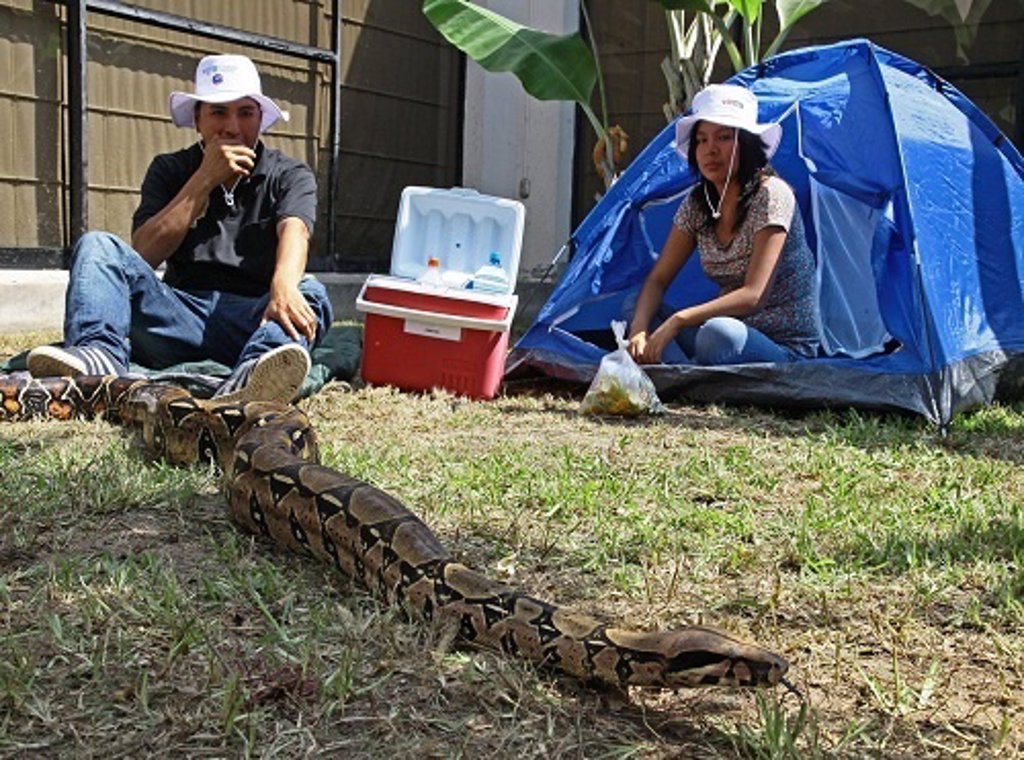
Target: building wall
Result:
[401, 123]
[402, 107]
[31, 170]
[400, 112]
[988, 68]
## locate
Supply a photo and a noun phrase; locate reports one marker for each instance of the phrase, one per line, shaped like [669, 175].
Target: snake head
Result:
[700, 656]
[697, 656]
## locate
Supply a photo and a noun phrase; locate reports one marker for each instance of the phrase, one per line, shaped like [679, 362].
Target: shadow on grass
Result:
[998, 543]
[994, 432]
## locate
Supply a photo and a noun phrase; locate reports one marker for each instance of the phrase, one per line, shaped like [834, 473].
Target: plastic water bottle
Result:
[432, 274]
[491, 277]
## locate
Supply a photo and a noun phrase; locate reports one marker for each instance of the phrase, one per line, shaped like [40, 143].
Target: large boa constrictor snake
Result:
[276, 487]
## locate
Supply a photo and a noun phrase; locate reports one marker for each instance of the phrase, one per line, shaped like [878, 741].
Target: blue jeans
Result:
[116, 301]
[727, 340]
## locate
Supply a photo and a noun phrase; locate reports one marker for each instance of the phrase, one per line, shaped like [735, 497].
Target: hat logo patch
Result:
[218, 78]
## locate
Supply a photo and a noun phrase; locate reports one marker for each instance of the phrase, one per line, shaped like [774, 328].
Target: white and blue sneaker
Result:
[51, 361]
[274, 376]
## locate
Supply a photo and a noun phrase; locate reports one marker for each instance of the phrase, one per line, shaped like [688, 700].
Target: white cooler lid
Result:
[459, 226]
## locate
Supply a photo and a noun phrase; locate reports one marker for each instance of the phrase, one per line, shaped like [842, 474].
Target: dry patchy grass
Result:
[882, 560]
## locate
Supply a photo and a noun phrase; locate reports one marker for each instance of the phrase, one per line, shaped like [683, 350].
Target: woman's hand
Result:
[659, 339]
[637, 345]
[647, 348]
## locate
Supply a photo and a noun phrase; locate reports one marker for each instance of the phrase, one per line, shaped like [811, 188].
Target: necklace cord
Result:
[229, 195]
[716, 213]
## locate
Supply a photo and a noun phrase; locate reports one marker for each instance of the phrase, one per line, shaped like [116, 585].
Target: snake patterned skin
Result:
[276, 487]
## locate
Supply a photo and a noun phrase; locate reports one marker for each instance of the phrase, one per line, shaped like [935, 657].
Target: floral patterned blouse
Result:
[790, 313]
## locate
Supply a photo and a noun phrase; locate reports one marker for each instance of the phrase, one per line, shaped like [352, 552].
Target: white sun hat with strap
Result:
[223, 79]
[731, 106]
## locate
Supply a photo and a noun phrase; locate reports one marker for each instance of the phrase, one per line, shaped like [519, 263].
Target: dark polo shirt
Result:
[230, 249]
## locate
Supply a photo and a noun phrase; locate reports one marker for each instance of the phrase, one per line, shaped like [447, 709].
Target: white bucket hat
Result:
[223, 79]
[731, 106]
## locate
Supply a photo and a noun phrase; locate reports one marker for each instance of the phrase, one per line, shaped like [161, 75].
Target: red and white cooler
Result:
[420, 336]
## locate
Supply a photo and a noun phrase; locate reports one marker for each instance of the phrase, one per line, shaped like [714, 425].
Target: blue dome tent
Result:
[914, 204]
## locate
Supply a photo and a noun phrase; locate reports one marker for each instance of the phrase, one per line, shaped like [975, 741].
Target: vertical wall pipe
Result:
[335, 146]
[78, 122]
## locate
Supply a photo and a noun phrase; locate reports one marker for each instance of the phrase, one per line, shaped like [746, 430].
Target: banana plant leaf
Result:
[550, 66]
[722, 23]
[749, 9]
[789, 11]
[963, 15]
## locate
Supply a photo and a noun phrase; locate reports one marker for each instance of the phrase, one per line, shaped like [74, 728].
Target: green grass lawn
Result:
[882, 559]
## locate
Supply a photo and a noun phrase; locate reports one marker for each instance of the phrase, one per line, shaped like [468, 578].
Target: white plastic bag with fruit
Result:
[620, 387]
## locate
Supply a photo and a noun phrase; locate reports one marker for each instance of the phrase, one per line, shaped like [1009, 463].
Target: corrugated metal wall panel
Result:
[30, 166]
[404, 81]
[400, 109]
[303, 21]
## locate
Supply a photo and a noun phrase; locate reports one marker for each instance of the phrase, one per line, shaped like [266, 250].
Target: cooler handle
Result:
[431, 317]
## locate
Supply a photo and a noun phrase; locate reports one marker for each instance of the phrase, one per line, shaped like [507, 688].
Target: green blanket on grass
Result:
[336, 358]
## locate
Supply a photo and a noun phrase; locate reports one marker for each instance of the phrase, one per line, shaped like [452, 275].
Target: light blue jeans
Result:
[727, 340]
[116, 301]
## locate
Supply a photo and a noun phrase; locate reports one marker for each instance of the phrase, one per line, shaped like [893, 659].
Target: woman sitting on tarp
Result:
[745, 221]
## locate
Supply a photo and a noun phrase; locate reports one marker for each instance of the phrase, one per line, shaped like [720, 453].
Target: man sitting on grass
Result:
[232, 220]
